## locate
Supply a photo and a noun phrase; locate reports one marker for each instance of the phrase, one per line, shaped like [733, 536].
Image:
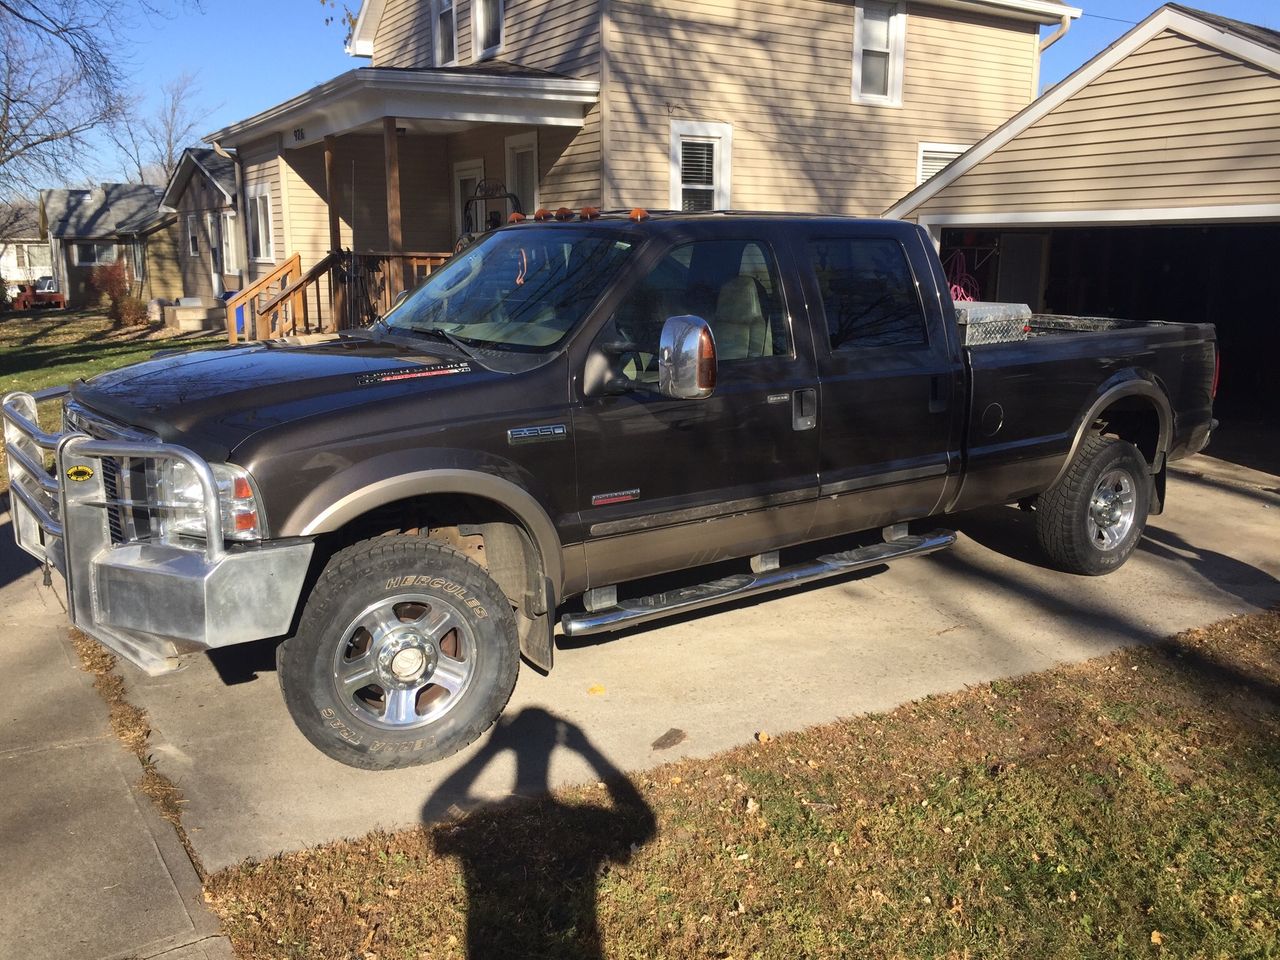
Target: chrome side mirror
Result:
[687, 359]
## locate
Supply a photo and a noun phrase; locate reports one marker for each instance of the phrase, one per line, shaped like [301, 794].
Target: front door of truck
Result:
[669, 484]
[891, 379]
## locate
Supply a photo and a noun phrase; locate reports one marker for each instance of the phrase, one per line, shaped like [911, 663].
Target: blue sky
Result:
[251, 54]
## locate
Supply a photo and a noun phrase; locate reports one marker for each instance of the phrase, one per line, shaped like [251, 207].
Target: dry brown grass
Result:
[132, 727]
[1128, 806]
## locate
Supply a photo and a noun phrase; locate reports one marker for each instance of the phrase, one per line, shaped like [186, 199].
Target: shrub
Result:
[4, 295]
[112, 281]
[133, 312]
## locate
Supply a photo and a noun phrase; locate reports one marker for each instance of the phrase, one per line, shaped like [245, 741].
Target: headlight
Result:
[178, 487]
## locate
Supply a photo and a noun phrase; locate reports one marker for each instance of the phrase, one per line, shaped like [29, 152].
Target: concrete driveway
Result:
[983, 610]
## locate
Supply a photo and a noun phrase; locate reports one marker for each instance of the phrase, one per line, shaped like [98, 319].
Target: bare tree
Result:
[61, 77]
[48, 105]
[151, 146]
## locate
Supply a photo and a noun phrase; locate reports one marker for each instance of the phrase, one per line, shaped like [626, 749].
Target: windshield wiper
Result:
[453, 341]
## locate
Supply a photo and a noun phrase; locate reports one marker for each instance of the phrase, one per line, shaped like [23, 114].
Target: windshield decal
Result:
[412, 373]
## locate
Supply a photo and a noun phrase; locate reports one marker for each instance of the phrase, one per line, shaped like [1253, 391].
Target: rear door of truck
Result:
[891, 376]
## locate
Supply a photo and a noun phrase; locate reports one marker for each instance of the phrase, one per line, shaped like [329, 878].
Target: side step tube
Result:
[629, 613]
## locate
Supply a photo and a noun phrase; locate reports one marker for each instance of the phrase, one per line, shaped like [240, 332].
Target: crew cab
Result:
[571, 406]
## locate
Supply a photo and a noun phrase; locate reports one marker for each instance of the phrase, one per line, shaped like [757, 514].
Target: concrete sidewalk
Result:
[88, 869]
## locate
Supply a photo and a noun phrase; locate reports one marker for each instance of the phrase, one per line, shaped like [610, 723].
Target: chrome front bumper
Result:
[148, 601]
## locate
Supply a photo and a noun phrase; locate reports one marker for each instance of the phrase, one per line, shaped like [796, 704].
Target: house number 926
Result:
[299, 133]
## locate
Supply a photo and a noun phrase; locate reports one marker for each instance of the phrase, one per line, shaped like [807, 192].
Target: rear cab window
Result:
[868, 293]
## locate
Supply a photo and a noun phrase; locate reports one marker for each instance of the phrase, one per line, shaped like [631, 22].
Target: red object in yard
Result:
[29, 298]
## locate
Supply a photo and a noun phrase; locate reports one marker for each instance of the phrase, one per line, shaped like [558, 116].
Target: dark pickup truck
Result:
[563, 409]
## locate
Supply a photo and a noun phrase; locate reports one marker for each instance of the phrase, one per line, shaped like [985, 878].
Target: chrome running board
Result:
[629, 613]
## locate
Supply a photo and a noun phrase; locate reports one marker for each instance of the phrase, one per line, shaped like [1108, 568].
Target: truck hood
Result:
[213, 399]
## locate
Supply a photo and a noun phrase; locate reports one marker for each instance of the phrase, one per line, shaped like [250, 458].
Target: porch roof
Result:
[443, 99]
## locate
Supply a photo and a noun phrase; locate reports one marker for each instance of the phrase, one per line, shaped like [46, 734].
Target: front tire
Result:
[1091, 520]
[406, 652]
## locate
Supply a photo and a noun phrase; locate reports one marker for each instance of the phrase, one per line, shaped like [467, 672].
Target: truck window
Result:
[869, 295]
[732, 284]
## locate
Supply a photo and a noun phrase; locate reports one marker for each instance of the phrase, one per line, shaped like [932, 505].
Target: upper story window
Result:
[487, 20]
[868, 293]
[701, 164]
[446, 37]
[879, 43]
[193, 238]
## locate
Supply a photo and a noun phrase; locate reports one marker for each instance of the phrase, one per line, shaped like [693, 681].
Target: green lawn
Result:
[45, 348]
[1124, 807]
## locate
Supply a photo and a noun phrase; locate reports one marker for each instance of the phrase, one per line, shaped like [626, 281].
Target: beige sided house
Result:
[202, 193]
[1144, 185]
[113, 221]
[830, 105]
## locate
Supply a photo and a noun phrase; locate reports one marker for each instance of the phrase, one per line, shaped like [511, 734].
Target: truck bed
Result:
[1031, 389]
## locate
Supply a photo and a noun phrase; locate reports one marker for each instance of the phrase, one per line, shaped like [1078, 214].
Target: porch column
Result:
[338, 286]
[395, 238]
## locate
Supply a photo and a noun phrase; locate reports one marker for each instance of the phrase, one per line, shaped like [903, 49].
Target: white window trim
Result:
[722, 135]
[269, 254]
[193, 239]
[477, 31]
[230, 243]
[75, 252]
[957, 148]
[437, 7]
[897, 56]
[462, 170]
[518, 143]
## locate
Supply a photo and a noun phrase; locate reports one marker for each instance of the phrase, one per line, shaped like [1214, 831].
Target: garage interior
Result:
[1202, 273]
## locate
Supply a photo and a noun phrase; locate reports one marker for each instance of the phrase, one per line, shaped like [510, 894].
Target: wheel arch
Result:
[1127, 408]
[449, 482]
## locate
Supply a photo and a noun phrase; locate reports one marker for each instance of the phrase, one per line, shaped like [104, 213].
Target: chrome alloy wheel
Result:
[405, 661]
[1111, 510]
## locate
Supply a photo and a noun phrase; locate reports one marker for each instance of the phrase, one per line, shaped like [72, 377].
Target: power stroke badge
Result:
[412, 373]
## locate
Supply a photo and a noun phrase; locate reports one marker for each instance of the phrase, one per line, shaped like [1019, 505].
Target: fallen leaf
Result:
[763, 737]
[1157, 938]
[595, 690]
[753, 805]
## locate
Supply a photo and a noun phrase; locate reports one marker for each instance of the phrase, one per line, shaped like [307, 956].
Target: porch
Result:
[359, 188]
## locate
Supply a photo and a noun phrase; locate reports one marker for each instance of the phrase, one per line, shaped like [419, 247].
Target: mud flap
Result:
[537, 634]
[1157, 489]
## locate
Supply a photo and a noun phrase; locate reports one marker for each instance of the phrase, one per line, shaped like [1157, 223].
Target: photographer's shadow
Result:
[531, 862]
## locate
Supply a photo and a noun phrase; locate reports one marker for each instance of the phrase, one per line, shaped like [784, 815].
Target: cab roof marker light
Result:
[564, 214]
[590, 213]
[516, 217]
[639, 214]
[542, 214]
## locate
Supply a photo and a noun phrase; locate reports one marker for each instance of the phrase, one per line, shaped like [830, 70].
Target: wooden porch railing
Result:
[370, 281]
[297, 295]
[288, 301]
[258, 323]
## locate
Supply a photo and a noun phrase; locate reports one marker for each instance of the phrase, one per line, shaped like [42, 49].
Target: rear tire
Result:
[1091, 520]
[406, 652]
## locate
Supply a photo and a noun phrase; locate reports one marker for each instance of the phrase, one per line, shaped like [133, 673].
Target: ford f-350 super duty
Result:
[566, 408]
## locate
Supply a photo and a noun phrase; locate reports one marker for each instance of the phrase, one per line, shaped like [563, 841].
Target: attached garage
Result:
[1145, 185]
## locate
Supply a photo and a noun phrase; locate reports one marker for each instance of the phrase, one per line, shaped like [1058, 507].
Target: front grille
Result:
[123, 479]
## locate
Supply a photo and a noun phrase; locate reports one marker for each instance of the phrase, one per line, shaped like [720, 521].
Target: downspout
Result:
[1044, 45]
[1057, 35]
[242, 215]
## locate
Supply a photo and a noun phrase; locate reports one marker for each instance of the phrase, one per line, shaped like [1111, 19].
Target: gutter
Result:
[1057, 35]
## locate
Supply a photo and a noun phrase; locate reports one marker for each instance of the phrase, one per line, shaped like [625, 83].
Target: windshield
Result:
[520, 289]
